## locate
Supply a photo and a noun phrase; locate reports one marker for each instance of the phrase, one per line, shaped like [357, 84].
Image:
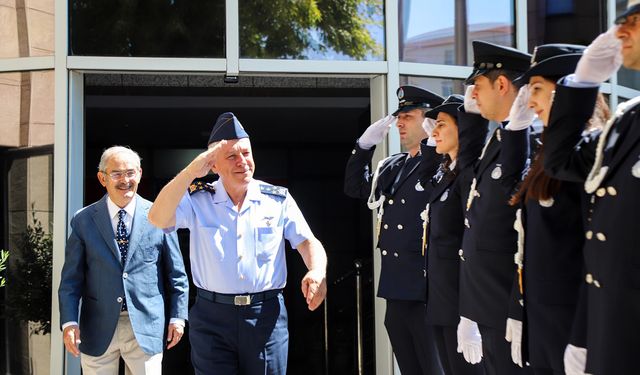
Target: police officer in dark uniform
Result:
[396, 189]
[550, 223]
[444, 229]
[489, 242]
[612, 259]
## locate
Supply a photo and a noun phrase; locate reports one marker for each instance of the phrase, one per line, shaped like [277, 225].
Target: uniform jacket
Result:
[552, 267]
[612, 259]
[152, 276]
[489, 242]
[403, 273]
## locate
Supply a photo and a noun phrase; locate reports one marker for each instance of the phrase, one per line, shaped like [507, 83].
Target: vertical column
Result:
[232, 40]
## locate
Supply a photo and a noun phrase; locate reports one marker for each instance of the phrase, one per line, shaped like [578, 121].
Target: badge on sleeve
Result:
[496, 173]
[635, 170]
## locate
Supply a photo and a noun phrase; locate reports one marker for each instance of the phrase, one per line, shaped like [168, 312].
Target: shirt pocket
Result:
[269, 239]
[210, 239]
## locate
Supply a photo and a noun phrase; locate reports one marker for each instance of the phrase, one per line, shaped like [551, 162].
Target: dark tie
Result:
[122, 237]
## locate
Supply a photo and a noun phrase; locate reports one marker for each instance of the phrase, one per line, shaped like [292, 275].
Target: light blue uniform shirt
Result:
[241, 252]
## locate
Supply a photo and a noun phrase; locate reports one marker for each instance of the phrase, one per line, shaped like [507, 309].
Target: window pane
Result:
[548, 19]
[152, 28]
[322, 30]
[441, 86]
[26, 28]
[626, 77]
[26, 165]
[441, 31]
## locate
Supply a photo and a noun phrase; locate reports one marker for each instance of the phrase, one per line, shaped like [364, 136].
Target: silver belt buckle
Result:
[242, 300]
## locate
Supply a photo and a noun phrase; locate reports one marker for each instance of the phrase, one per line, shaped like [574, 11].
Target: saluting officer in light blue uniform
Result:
[238, 226]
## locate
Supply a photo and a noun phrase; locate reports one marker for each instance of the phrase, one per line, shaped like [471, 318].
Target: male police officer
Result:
[398, 191]
[238, 226]
[610, 296]
[489, 242]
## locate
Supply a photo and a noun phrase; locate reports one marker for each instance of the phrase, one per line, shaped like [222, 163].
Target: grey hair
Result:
[114, 150]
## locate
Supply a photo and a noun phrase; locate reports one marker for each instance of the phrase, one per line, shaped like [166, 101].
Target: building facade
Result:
[305, 79]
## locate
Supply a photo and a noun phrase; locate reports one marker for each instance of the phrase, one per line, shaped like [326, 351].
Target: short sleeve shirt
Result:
[241, 251]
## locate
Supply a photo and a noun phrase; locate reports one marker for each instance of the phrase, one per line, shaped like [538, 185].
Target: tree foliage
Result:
[196, 28]
[29, 278]
[4, 255]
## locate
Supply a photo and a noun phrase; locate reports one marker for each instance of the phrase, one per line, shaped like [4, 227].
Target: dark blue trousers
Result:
[496, 353]
[412, 339]
[239, 340]
[453, 363]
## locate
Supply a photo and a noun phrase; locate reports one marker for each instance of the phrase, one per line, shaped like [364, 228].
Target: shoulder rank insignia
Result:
[201, 186]
[273, 190]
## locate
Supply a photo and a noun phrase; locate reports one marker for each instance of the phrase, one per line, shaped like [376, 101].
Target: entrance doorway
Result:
[302, 131]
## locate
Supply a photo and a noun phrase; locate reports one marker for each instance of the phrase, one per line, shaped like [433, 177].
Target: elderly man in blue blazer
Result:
[125, 272]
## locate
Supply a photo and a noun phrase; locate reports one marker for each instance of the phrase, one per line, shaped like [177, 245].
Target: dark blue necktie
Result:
[122, 237]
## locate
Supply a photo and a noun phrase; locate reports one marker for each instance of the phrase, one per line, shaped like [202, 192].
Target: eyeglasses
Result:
[117, 175]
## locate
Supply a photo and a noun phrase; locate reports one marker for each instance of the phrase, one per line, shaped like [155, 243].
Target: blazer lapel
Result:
[629, 140]
[441, 187]
[406, 175]
[492, 152]
[139, 226]
[103, 223]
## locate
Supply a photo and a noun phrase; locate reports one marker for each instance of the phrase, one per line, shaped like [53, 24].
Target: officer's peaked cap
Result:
[553, 60]
[488, 56]
[450, 106]
[412, 97]
[633, 6]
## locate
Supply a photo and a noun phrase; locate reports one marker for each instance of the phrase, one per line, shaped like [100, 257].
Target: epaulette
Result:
[201, 186]
[274, 190]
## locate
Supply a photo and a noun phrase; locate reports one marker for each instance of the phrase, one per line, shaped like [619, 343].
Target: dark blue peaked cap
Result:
[227, 127]
[488, 56]
[633, 7]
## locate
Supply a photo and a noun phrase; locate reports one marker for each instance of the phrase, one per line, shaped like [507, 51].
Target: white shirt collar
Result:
[114, 209]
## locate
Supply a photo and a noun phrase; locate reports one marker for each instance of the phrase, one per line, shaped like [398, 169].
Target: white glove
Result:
[469, 340]
[470, 104]
[601, 59]
[376, 132]
[575, 360]
[428, 125]
[520, 115]
[514, 336]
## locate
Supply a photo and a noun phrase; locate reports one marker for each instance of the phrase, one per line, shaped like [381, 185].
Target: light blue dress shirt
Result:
[242, 251]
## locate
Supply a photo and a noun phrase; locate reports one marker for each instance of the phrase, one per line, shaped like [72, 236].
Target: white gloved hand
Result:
[428, 125]
[514, 336]
[575, 360]
[469, 340]
[470, 104]
[601, 59]
[521, 115]
[376, 132]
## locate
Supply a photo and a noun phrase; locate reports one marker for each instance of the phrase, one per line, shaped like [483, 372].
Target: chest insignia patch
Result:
[496, 173]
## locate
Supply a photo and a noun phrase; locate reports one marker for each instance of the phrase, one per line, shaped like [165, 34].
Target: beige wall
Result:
[26, 28]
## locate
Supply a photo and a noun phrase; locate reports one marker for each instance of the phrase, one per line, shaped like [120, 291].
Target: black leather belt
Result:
[238, 299]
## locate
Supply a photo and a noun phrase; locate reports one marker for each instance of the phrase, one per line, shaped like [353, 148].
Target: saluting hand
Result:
[314, 288]
[470, 103]
[521, 115]
[71, 338]
[376, 132]
[601, 59]
[202, 164]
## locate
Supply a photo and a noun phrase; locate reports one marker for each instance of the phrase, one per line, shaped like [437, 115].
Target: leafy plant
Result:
[29, 295]
[4, 255]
